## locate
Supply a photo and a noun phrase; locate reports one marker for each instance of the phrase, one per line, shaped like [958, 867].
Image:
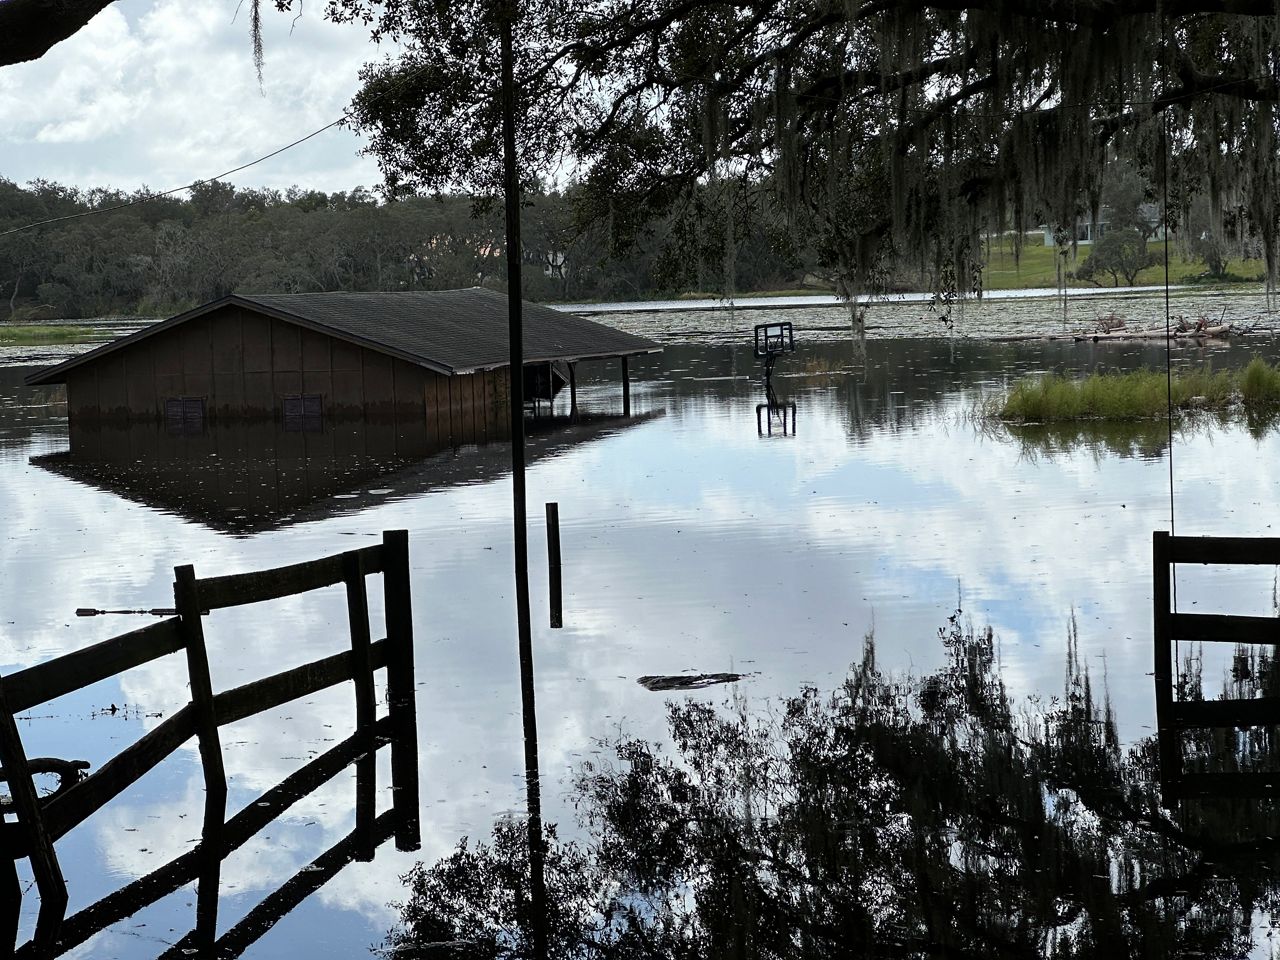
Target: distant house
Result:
[1087, 233]
[441, 356]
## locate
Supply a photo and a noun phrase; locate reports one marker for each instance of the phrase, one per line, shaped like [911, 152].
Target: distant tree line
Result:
[160, 256]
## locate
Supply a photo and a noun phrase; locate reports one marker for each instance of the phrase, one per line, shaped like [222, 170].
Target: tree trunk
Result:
[17, 282]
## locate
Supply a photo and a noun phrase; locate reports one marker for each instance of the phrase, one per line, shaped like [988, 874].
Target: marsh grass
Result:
[1138, 395]
[36, 334]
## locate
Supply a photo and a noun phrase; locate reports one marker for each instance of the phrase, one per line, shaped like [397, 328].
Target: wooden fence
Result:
[41, 823]
[1173, 716]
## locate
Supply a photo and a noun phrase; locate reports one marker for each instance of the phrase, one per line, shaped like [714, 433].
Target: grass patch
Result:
[1037, 267]
[38, 334]
[1139, 395]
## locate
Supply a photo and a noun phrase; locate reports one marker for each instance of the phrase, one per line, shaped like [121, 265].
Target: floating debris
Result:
[688, 681]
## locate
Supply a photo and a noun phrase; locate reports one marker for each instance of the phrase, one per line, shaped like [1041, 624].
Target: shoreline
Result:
[800, 301]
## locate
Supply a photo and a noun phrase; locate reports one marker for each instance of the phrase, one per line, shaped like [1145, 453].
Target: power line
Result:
[226, 173]
[164, 193]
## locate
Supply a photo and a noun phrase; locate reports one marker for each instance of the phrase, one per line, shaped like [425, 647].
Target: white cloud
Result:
[165, 93]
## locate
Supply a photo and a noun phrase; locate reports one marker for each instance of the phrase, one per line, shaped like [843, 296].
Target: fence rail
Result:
[40, 824]
[1174, 716]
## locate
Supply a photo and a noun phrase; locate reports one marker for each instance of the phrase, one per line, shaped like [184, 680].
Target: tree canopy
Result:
[883, 131]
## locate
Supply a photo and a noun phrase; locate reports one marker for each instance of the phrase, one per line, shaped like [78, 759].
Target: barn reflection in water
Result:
[246, 478]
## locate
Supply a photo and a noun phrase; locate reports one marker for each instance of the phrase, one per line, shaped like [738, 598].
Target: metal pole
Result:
[537, 879]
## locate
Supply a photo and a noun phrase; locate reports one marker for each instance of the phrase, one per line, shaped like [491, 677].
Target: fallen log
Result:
[1217, 331]
[1159, 333]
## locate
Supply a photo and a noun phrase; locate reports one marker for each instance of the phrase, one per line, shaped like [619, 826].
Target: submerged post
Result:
[44, 860]
[573, 391]
[366, 705]
[1166, 734]
[401, 697]
[511, 183]
[186, 600]
[626, 389]
[10, 902]
[553, 564]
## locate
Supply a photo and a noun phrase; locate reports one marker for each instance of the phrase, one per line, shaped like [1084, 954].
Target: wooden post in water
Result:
[401, 696]
[1166, 733]
[186, 600]
[553, 564]
[366, 707]
[44, 861]
[626, 389]
[573, 391]
[533, 785]
[10, 901]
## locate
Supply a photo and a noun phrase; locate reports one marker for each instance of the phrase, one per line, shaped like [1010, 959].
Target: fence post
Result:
[401, 695]
[44, 861]
[186, 600]
[366, 710]
[626, 389]
[10, 902]
[1167, 736]
[553, 565]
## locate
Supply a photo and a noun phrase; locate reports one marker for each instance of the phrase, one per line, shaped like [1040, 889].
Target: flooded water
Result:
[1000, 313]
[705, 535]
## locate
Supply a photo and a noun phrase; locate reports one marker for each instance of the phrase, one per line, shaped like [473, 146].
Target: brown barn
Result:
[439, 356]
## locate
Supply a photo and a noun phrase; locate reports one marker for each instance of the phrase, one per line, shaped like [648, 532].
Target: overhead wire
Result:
[147, 198]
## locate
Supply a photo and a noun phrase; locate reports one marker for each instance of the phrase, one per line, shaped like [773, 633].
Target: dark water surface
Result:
[691, 543]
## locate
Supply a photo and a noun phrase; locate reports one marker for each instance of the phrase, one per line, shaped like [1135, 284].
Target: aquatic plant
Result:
[29, 334]
[897, 816]
[1136, 395]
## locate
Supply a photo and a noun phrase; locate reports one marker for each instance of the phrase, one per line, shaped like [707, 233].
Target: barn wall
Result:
[243, 364]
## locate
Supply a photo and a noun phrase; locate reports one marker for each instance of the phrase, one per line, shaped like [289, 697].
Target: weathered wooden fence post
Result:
[553, 565]
[10, 901]
[44, 861]
[186, 600]
[626, 389]
[1167, 736]
[366, 711]
[401, 695]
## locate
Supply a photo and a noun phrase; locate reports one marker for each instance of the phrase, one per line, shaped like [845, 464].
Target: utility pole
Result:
[511, 177]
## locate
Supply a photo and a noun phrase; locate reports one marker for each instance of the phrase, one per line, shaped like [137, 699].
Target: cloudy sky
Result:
[163, 92]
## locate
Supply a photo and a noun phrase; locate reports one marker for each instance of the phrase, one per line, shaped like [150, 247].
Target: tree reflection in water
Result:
[899, 817]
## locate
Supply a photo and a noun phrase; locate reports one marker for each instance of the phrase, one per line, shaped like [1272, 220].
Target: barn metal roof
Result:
[449, 331]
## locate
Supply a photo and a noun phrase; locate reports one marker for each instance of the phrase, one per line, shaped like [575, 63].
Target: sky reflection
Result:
[689, 544]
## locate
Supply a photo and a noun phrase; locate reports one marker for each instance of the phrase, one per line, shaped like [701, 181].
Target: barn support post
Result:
[626, 389]
[573, 391]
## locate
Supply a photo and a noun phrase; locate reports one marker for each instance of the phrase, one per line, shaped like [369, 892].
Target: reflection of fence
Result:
[41, 823]
[1173, 716]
